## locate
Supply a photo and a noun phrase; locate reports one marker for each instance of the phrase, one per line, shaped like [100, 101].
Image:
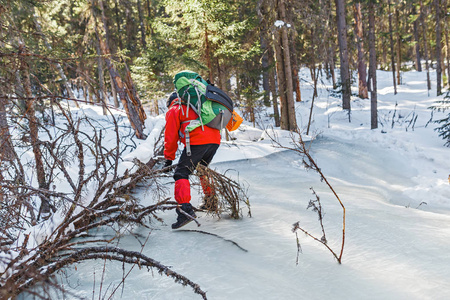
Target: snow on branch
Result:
[279, 24]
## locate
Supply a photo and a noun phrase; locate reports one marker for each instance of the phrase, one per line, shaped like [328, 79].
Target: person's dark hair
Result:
[172, 97]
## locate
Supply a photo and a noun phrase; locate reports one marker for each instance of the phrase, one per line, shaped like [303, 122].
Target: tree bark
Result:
[295, 77]
[373, 68]
[125, 90]
[208, 55]
[418, 62]
[6, 148]
[118, 25]
[101, 79]
[399, 44]
[391, 39]
[130, 37]
[362, 83]
[425, 47]
[284, 117]
[220, 78]
[292, 33]
[272, 86]
[437, 6]
[447, 42]
[34, 131]
[263, 37]
[284, 71]
[343, 53]
[332, 63]
[265, 67]
[142, 26]
[312, 67]
[289, 79]
[57, 65]
[385, 48]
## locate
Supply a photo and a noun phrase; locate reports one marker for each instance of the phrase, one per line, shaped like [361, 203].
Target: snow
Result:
[279, 24]
[392, 180]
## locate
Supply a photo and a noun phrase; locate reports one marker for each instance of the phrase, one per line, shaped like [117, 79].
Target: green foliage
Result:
[444, 123]
[212, 37]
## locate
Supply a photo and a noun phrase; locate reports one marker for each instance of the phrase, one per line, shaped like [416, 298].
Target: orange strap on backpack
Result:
[234, 122]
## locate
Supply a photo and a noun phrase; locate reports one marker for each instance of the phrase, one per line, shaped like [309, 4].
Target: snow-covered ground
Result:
[392, 180]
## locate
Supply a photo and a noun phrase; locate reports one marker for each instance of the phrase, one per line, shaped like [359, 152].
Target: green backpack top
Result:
[210, 103]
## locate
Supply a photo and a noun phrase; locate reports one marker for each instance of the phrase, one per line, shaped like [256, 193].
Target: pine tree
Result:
[444, 123]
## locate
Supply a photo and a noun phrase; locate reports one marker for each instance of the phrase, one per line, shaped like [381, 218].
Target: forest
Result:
[122, 55]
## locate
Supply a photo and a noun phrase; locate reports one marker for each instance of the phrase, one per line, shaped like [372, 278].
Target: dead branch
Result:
[215, 235]
[300, 147]
[229, 192]
[111, 204]
[121, 255]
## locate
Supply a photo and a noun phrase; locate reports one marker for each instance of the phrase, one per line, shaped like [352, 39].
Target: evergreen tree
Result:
[444, 123]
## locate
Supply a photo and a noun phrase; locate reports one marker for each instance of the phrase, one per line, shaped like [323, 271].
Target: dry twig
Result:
[230, 194]
[300, 147]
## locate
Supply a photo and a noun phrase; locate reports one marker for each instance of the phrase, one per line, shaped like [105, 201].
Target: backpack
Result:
[211, 104]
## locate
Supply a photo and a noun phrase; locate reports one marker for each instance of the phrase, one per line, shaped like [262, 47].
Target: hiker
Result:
[203, 145]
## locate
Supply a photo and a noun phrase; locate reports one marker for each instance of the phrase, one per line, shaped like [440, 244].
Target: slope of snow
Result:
[392, 180]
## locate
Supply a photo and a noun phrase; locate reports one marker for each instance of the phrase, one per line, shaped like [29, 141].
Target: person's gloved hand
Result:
[168, 163]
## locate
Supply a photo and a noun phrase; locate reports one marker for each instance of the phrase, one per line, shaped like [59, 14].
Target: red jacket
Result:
[175, 118]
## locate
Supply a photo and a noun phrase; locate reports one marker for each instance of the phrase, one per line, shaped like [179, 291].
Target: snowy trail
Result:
[391, 251]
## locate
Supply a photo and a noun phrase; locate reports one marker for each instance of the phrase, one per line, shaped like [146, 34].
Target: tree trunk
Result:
[362, 83]
[343, 53]
[265, 67]
[220, 83]
[391, 39]
[288, 79]
[425, 47]
[373, 68]
[208, 56]
[57, 65]
[6, 146]
[332, 64]
[34, 132]
[315, 75]
[113, 92]
[141, 22]
[101, 78]
[293, 57]
[130, 37]
[312, 66]
[447, 42]
[437, 6]
[125, 90]
[118, 25]
[369, 78]
[288, 119]
[263, 37]
[418, 62]
[273, 88]
[385, 47]
[399, 44]
[128, 98]
[295, 77]
[284, 117]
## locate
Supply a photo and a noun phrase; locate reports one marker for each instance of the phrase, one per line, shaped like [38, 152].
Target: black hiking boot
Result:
[183, 219]
[209, 203]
